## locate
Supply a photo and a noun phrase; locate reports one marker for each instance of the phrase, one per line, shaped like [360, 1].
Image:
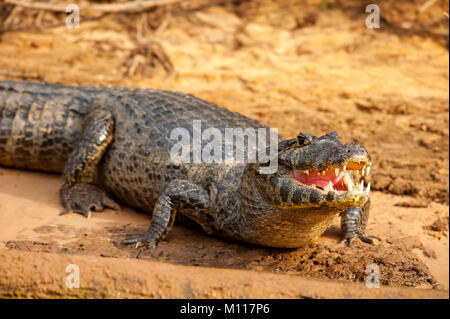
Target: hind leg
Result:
[78, 192]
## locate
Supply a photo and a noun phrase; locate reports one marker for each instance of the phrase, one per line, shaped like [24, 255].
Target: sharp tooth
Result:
[357, 172]
[349, 182]
[306, 172]
[361, 186]
[344, 168]
[363, 170]
[350, 186]
[323, 172]
[330, 186]
[336, 171]
[368, 188]
[368, 171]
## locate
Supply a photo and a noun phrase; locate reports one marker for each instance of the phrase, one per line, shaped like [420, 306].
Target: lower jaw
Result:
[291, 228]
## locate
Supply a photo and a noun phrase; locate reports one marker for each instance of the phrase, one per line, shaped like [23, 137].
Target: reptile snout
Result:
[357, 153]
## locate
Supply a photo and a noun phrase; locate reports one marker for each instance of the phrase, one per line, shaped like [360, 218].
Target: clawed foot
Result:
[85, 198]
[143, 242]
[347, 240]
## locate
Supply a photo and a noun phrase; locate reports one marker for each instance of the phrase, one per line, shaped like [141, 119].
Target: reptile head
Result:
[317, 172]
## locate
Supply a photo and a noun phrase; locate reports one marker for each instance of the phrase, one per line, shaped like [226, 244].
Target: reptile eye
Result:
[303, 140]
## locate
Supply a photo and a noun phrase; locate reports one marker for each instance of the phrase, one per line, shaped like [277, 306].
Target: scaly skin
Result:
[115, 143]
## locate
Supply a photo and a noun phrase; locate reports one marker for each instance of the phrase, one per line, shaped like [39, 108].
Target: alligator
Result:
[114, 144]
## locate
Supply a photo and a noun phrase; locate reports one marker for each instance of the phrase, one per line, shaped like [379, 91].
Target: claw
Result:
[142, 243]
[348, 239]
[139, 253]
[96, 207]
[85, 198]
[108, 202]
[65, 211]
[87, 214]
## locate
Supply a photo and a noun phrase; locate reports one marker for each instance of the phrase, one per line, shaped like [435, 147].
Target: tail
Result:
[39, 124]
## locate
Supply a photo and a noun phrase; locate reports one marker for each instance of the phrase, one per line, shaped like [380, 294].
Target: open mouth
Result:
[336, 179]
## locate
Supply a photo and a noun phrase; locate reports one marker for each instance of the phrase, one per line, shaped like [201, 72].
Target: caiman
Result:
[115, 143]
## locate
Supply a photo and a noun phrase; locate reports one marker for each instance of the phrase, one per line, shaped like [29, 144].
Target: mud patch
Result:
[398, 265]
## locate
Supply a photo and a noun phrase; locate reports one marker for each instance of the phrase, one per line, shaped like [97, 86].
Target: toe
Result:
[98, 207]
[141, 242]
[347, 241]
[126, 242]
[65, 211]
[86, 213]
[108, 202]
[366, 239]
[363, 237]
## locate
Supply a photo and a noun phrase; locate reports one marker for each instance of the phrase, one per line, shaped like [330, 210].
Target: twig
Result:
[48, 26]
[423, 30]
[21, 75]
[426, 5]
[132, 6]
[436, 21]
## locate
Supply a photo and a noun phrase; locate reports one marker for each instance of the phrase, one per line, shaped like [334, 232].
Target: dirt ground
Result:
[294, 65]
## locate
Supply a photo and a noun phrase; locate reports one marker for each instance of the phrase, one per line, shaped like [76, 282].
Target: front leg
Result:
[353, 224]
[190, 199]
[78, 192]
